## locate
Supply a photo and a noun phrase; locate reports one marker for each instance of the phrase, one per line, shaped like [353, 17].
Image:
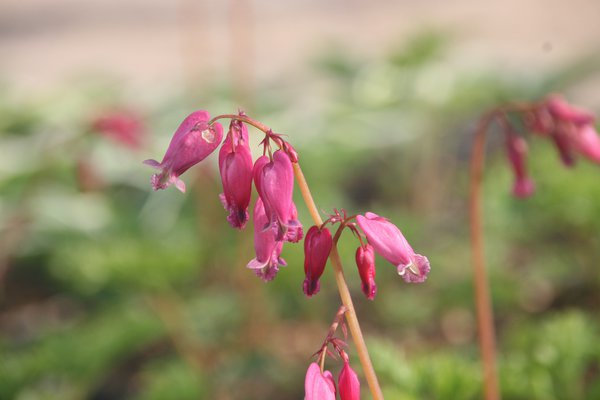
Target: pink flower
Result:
[318, 386]
[587, 143]
[317, 246]
[274, 181]
[388, 242]
[563, 111]
[268, 250]
[365, 261]
[122, 126]
[295, 232]
[193, 141]
[235, 165]
[348, 383]
[516, 149]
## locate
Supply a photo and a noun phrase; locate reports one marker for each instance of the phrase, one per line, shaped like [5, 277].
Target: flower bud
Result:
[235, 166]
[317, 246]
[193, 141]
[516, 149]
[317, 385]
[587, 143]
[388, 242]
[365, 261]
[348, 383]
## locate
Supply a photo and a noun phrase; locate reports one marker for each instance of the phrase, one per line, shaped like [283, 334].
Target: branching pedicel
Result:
[572, 132]
[275, 221]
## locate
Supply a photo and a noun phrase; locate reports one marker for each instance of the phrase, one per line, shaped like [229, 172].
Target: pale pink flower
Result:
[268, 250]
[365, 261]
[317, 385]
[193, 141]
[122, 126]
[235, 166]
[317, 246]
[388, 242]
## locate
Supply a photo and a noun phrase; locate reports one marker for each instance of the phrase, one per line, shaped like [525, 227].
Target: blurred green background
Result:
[111, 291]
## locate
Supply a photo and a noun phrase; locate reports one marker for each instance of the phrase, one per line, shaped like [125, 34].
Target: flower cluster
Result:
[571, 130]
[383, 238]
[275, 216]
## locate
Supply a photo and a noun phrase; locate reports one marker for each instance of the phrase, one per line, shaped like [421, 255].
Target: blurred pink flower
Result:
[365, 261]
[193, 141]
[318, 386]
[268, 250]
[317, 246]
[388, 242]
[516, 149]
[348, 383]
[235, 166]
[123, 126]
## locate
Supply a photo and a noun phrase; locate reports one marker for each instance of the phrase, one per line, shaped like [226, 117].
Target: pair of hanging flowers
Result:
[275, 216]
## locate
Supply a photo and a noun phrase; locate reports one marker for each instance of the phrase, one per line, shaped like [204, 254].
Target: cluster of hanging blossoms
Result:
[275, 216]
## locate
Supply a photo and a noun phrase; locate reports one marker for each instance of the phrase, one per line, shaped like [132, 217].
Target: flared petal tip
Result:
[416, 271]
[523, 188]
[311, 287]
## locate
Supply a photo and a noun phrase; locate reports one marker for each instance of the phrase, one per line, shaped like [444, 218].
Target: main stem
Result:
[357, 336]
[485, 315]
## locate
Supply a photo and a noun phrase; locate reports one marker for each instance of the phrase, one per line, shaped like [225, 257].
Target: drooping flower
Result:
[274, 181]
[365, 261]
[317, 385]
[563, 111]
[348, 383]
[235, 166]
[516, 149]
[295, 232]
[193, 141]
[317, 246]
[587, 142]
[388, 242]
[123, 126]
[268, 250]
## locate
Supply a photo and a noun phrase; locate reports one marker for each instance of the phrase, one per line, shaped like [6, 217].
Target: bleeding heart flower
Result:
[388, 242]
[348, 383]
[193, 141]
[516, 149]
[235, 166]
[268, 250]
[317, 385]
[317, 246]
[365, 261]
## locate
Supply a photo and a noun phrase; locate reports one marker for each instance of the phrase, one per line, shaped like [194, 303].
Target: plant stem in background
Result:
[334, 257]
[485, 315]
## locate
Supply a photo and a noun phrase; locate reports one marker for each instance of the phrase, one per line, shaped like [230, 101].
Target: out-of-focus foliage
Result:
[110, 291]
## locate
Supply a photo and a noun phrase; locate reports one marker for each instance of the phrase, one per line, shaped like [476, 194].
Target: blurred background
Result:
[111, 291]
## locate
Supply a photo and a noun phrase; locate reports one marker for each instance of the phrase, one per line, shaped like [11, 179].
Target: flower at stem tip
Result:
[235, 166]
[268, 250]
[192, 142]
[516, 150]
[317, 246]
[348, 383]
[317, 385]
[388, 242]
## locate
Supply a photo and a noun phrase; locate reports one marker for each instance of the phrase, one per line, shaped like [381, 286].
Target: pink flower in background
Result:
[388, 242]
[348, 383]
[563, 111]
[235, 166]
[587, 142]
[268, 250]
[193, 141]
[125, 127]
[516, 149]
[274, 181]
[365, 261]
[318, 386]
[317, 246]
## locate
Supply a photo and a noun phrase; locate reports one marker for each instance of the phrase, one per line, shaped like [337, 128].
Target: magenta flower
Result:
[317, 385]
[317, 246]
[388, 242]
[193, 141]
[295, 232]
[268, 250]
[235, 165]
[563, 111]
[274, 181]
[587, 142]
[516, 149]
[348, 383]
[365, 261]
